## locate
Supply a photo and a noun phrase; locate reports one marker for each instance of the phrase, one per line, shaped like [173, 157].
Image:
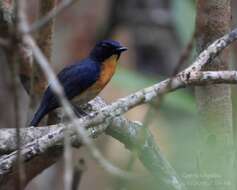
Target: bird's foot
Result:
[79, 111]
[88, 107]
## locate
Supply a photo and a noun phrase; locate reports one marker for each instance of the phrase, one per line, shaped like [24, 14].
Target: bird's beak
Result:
[121, 49]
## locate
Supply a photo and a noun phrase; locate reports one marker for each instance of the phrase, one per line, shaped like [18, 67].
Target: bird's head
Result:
[105, 49]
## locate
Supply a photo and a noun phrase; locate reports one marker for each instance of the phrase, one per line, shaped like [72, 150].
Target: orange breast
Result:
[107, 71]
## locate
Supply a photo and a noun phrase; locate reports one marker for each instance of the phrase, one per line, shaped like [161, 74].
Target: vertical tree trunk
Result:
[214, 102]
[44, 40]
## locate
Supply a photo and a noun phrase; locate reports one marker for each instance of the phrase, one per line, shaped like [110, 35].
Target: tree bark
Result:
[214, 101]
[44, 39]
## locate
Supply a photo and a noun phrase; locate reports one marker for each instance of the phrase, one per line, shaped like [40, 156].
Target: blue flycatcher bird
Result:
[83, 80]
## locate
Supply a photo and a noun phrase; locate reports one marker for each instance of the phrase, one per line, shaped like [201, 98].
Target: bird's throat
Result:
[107, 69]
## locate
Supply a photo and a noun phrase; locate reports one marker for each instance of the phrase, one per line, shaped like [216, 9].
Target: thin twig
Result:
[77, 174]
[44, 41]
[20, 178]
[51, 15]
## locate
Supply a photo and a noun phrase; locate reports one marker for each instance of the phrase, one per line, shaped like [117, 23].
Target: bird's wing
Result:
[75, 79]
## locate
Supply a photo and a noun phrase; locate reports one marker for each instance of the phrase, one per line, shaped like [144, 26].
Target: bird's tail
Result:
[38, 116]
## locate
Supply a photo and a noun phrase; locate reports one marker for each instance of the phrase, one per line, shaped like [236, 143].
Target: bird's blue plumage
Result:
[84, 79]
[79, 77]
[75, 79]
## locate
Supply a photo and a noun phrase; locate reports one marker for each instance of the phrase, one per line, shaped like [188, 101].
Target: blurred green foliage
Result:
[184, 12]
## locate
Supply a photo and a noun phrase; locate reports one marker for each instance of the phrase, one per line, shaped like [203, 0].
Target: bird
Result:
[83, 80]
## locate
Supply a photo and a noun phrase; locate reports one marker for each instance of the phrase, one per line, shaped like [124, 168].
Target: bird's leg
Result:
[88, 107]
[78, 111]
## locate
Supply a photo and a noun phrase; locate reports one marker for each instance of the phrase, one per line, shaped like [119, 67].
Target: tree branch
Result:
[131, 134]
[50, 15]
[7, 135]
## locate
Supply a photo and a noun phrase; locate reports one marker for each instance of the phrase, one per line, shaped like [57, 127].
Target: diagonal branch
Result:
[7, 135]
[132, 134]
